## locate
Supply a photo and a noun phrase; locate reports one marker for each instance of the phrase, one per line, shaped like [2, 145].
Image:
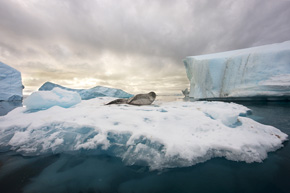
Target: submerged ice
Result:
[164, 135]
[262, 72]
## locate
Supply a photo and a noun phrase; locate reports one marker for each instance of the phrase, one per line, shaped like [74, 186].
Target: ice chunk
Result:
[98, 91]
[173, 134]
[10, 83]
[254, 72]
[55, 97]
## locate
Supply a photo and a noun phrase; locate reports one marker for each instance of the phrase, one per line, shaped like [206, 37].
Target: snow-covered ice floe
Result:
[86, 94]
[258, 72]
[164, 135]
[10, 83]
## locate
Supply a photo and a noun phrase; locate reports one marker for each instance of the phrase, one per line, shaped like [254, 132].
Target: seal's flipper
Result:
[118, 101]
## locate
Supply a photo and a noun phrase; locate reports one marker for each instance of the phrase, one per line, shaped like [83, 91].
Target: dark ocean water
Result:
[83, 173]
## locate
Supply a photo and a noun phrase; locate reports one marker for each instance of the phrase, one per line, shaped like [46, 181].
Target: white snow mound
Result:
[56, 97]
[167, 135]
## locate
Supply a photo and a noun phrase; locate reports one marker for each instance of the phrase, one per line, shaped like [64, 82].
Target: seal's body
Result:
[139, 99]
[142, 99]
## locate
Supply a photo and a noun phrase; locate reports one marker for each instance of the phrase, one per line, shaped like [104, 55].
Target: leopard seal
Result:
[139, 99]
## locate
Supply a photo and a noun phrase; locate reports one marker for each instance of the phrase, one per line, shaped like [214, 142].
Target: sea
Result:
[62, 173]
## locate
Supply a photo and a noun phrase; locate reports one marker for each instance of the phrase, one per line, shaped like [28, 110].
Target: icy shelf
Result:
[259, 73]
[98, 91]
[163, 135]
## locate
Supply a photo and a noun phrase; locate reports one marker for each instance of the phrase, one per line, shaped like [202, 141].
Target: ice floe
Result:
[163, 135]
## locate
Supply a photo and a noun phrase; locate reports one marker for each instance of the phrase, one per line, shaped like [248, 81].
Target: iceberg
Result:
[6, 106]
[10, 83]
[86, 94]
[163, 135]
[257, 73]
[56, 97]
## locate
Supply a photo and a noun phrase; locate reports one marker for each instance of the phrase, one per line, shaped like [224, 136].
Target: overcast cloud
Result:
[137, 45]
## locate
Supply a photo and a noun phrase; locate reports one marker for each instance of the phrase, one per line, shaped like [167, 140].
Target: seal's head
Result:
[152, 94]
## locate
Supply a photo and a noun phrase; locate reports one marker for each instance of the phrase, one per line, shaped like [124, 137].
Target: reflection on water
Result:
[82, 173]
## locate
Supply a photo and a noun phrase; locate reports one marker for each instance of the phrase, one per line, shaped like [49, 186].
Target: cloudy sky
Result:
[137, 46]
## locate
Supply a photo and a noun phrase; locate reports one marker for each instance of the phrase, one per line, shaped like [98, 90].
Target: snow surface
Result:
[164, 135]
[98, 91]
[10, 83]
[56, 97]
[254, 72]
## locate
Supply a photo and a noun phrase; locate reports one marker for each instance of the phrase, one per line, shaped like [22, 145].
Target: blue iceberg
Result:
[257, 73]
[86, 94]
[10, 83]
